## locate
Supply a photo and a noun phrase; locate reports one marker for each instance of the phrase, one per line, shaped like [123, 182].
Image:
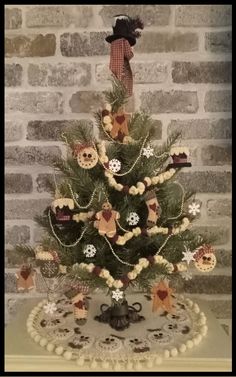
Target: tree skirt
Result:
[142, 345]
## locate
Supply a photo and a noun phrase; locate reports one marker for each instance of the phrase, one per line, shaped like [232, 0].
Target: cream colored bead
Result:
[174, 352]
[166, 354]
[67, 355]
[189, 344]
[182, 348]
[43, 342]
[33, 333]
[59, 350]
[50, 347]
[202, 321]
[107, 119]
[196, 308]
[37, 338]
[108, 126]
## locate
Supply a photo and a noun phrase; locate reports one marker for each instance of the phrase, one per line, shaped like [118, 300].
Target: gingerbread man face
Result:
[106, 206]
[206, 263]
[87, 158]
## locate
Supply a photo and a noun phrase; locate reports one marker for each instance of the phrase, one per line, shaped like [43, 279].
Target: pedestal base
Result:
[120, 316]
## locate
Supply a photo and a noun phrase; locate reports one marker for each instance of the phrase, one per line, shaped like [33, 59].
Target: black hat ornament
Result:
[125, 27]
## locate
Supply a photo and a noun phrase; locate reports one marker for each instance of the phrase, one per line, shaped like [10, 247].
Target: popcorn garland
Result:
[142, 264]
[140, 187]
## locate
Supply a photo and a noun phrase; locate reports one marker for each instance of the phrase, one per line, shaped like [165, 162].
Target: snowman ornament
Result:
[86, 155]
[205, 259]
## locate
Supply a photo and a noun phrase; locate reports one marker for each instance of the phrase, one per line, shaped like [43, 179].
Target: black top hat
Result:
[125, 27]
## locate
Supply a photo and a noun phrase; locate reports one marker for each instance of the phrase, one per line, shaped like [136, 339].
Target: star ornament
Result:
[188, 256]
[148, 152]
[117, 294]
[50, 308]
[194, 208]
[162, 297]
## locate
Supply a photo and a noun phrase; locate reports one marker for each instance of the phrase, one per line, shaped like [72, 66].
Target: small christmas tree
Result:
[120, 219]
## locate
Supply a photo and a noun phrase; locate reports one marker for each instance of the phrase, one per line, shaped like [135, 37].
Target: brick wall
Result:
[56, 69]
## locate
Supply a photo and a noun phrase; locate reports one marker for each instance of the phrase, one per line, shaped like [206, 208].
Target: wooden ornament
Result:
[62, 208]
[120, 125]
[106, 220]
[154, 209]
[205, 259]
[86, 155]
[162, 299]
[24, 277]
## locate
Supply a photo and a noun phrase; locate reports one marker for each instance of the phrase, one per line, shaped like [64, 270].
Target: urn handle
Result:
[103, 307]
[139, 306]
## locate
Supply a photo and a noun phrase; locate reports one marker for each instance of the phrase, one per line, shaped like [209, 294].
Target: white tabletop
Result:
[23, 354]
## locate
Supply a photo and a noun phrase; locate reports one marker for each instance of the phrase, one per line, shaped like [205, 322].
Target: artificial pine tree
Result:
[120, 219]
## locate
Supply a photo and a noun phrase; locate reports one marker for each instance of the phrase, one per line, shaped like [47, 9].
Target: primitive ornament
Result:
[24, 278]
[179, 156]
[124, 36]
[80, 304]
[48, 261]
[154, 209]
[120, 125]
[162, 297]
[86, 155]
[106, 220]
[62, 209]
[205, 259]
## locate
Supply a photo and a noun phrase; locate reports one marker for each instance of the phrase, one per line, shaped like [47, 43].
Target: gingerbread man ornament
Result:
[24, 277]
[106, 220]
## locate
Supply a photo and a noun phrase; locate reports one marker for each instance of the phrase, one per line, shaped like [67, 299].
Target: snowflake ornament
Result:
[188, 256]
[89, 251]
[50, 308]
[148, 152]
[194, 208]
[133, 218]
[117, 294]
[186, 275]
[114, 165]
